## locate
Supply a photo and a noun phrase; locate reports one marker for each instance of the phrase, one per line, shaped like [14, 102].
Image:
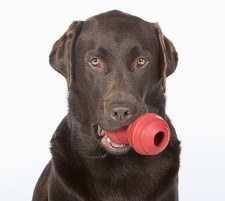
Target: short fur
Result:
[80, 168]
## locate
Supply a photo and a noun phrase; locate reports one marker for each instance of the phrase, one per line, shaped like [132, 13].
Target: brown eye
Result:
[141, 62]
[95, 62]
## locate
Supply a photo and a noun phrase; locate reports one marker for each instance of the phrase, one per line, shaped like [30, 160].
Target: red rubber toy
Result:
[148, 135]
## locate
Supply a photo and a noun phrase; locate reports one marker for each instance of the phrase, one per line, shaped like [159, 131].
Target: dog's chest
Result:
[129, 189]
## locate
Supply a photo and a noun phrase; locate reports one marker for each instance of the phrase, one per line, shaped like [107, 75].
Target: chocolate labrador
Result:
[116, 66]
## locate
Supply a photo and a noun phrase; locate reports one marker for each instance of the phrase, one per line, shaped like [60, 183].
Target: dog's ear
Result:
[168, 55]
[62, 55]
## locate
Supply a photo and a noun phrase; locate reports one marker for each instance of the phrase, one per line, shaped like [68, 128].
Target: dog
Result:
[115, 65]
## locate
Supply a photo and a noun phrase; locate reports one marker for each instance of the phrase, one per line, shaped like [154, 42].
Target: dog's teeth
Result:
[114, 145]
[118, 145]
[108, 139]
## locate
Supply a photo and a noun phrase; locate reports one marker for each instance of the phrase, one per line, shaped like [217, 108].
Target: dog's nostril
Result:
[120, 113]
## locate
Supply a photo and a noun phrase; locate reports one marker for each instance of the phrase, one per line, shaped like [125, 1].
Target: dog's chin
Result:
[108, 144]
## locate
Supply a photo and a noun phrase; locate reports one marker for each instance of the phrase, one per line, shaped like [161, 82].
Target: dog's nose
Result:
[121, 113]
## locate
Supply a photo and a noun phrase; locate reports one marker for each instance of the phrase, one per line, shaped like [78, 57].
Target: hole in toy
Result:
[158, 138]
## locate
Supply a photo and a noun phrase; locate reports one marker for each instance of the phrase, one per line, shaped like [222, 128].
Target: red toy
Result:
[148, 135]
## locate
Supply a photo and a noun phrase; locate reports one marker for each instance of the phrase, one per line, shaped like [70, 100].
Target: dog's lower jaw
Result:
[110, 146]
[114, 148]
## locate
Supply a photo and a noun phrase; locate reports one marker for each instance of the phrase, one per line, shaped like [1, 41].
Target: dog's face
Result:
[115, 62]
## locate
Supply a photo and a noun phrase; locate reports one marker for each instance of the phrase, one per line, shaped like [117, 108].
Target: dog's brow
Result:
[146, 54]
[92, 52]
[137, 51]
[97, 52]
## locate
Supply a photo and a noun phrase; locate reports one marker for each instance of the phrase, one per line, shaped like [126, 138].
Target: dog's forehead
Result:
[116, 21]
[118, 28]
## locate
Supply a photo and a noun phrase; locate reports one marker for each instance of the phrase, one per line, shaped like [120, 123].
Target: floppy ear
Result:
[62, 55]
[168, 55]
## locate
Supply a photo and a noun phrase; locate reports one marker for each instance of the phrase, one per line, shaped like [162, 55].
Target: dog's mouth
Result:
[111, 146]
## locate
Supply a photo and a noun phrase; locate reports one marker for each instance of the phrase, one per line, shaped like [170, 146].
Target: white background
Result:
[33, 95]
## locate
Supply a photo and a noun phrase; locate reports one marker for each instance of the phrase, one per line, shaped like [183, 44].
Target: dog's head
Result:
[115, 65]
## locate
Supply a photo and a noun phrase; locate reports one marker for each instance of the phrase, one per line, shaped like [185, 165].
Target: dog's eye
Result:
[95, 62]
[141, 62]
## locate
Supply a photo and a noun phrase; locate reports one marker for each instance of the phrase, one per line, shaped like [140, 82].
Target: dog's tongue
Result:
[118, 136]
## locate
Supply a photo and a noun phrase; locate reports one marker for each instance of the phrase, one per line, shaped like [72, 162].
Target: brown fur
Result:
[80, 168]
